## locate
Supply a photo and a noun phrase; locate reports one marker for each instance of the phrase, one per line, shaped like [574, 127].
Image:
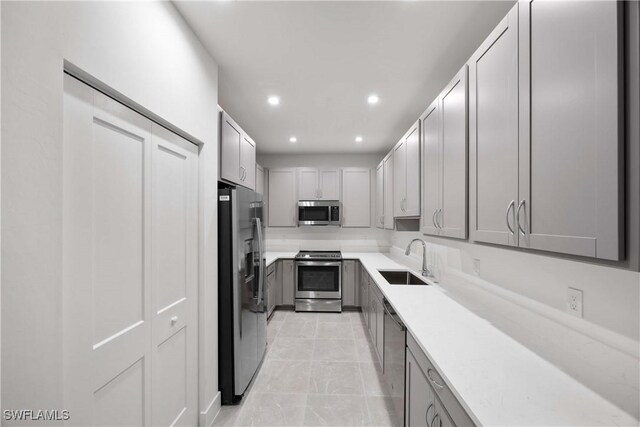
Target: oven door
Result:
[318, 279]
[309, 213]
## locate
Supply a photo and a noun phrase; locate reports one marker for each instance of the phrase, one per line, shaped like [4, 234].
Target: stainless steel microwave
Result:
[319, 212]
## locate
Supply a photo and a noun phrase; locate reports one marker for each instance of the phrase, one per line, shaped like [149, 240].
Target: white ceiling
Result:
[324, 58]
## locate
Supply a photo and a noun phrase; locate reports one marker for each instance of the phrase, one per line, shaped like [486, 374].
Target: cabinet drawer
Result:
[449, 401]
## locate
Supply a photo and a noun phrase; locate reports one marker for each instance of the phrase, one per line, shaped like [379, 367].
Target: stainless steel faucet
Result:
[425, 270]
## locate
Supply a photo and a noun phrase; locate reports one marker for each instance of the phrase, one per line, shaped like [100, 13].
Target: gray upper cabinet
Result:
[388, 191]
[248, 162]
[493, 135]
[379, 210]
[318, 184]
[356, 203]
[348, 283]
[237, 154]
[445, 148]
[430, 128]
[570, 106]
[230, 140]
[406, 169]
[452, 218]
[283, 201]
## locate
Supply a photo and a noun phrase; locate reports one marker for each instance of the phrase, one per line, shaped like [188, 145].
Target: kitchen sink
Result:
[401, 277]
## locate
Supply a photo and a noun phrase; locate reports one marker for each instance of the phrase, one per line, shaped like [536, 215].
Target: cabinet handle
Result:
[174, 320]
[438, 212]
[433, 218]
[434, 382]
[426, 415]
[520, 205]
[511, 205]
[433, 421]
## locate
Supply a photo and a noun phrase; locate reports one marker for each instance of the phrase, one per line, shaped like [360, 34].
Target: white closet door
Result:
[110, 287]
[174, 278]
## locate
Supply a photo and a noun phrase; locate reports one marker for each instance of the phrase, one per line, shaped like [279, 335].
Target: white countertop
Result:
[499, 381]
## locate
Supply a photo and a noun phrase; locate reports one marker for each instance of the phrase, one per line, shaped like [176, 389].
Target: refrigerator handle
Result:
[261, 254]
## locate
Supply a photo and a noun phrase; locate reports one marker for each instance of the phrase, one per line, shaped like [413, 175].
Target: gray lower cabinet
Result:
[288, 285]
[428, 399]
[272, 298]
[375, 314]
[364, 294]
[348, 283]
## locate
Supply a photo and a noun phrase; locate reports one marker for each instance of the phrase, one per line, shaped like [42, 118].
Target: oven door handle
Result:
[318, 263]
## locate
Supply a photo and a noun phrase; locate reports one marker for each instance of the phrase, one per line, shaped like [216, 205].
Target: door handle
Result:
[511, 205]
[433, 381]
[520, 205]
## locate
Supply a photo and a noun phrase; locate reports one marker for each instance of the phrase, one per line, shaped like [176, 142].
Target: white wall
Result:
[295, 238]
[144, 51]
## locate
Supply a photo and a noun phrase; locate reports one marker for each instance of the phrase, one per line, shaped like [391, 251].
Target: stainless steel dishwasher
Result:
[394, 357]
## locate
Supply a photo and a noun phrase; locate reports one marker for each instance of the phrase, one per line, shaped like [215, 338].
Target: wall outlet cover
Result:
[574, 302]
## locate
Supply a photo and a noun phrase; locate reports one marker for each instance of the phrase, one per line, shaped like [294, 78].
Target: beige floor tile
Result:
[365, 351]
[382, 412]
[274, 409]
[298, 329]
[335, 378]
[372, 379]
[360, 331]
[286, 348]
[335, 350]
[344, 317]
[334, 330]
[327, 410]
[278, 376]
[293, 316]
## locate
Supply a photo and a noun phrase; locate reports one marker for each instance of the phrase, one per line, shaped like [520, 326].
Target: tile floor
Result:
[320, 370]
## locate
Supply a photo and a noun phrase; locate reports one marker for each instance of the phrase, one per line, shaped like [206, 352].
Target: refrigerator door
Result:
[261, 272]
[246, 314]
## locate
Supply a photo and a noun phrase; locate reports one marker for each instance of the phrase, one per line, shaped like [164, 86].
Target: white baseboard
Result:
[209, 414]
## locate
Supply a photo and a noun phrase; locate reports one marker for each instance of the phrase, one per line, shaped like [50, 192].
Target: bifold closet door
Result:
[129, 266]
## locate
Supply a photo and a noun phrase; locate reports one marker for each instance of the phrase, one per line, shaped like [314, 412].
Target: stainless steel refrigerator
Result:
[242, 306]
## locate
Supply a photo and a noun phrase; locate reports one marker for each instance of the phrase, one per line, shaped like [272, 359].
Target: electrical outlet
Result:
[476, 266]
[574, 302]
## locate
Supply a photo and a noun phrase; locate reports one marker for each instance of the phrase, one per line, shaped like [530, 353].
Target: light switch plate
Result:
[574, 302]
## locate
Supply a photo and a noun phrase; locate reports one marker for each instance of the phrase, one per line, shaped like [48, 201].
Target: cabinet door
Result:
[419, 397]
[379, 216]
[430, 129]
[399, 179]
[356, 200]
[259, 179]
[493, 135]
[388, 192]
[329, 184]
[288, 285]
[441, 419]
[283, 201]
[230, 139]
[364, 295]
[412, 186]
[348, 283]
[380, 331]
[308, 184]
[271, 297]
[371, 313]
[453, 215]
[248, 162]
[570, 135]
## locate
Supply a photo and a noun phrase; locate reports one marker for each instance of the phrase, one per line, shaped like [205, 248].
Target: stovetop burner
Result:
[319, 255]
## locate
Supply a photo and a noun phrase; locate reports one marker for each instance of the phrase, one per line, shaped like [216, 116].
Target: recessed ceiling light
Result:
[373, 99]
[293, 139]
[358, 138]
[273, 100]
